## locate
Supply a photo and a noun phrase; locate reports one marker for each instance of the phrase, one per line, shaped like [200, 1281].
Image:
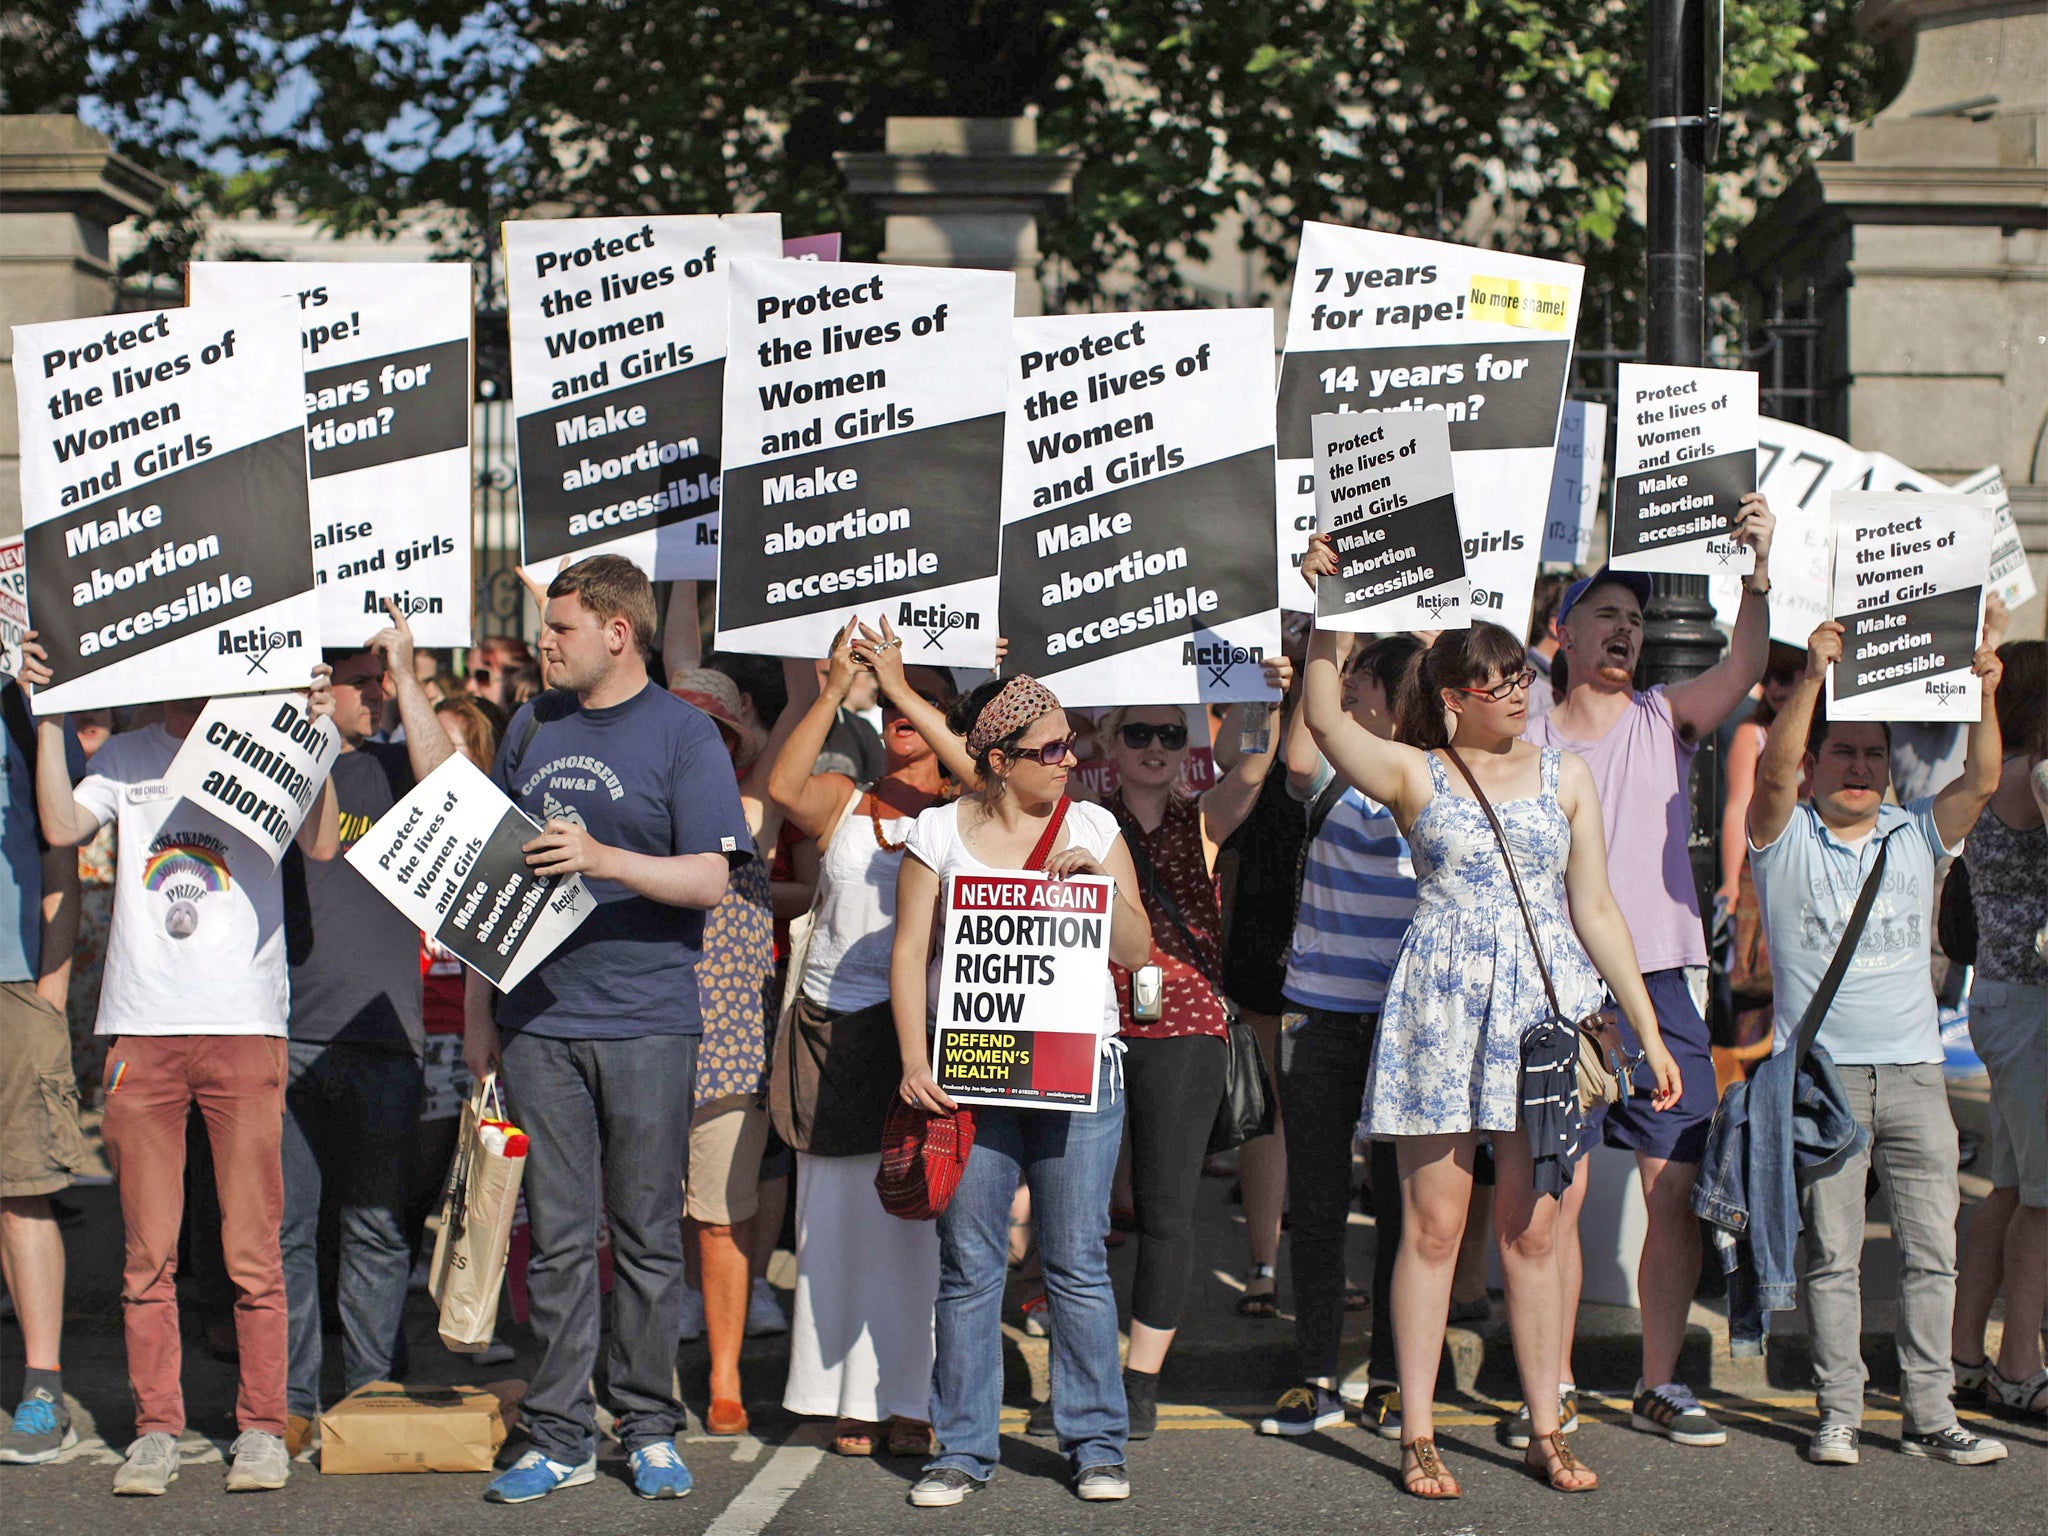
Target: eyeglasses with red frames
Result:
[1051, 755]
[1502, 690]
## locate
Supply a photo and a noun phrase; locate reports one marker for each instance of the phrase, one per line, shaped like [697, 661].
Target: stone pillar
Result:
[964, 192]
[62, 188]
[1926, 239]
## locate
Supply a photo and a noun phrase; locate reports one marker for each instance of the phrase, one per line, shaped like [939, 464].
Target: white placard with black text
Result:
[1138, 554]
[448, 856]
[618, 371]
[1684, 457]
[2011, 578]
[164, 503]
[1384, 494]
[1575, 484]
[863, 450]
[388, 404]
[1387, 322]
[1798, 470]
[256, 761]
[1909, 574]
[13, 603]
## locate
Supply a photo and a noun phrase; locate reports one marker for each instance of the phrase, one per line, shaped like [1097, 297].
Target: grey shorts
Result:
[40, 1145]
[2009, 1029]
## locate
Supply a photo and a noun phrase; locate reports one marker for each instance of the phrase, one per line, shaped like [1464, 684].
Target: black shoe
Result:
[1141, 1395]
[1100, 1484]
[1302, 1411]
[1955, 1445]
[947, 1485]
[1039, 1425]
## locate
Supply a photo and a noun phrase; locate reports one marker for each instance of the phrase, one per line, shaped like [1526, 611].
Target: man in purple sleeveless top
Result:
[1640, 747]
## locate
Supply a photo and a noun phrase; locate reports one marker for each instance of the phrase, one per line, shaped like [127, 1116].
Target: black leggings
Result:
[1172, 1088]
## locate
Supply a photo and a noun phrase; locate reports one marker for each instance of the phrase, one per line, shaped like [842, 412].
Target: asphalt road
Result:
[1205, 1472]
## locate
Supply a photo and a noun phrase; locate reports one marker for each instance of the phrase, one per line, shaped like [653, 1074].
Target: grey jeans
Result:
[1913, 1147]
[609, 1121]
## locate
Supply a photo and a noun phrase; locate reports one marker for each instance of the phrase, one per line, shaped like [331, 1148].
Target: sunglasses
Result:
[1051, 755]
[1139, 737]
[1502, 690]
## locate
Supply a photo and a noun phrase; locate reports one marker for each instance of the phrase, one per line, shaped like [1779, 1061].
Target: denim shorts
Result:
[2009, 1028]
[1677, 1134]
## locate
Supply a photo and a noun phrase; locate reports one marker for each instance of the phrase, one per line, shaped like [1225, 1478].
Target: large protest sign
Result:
[1684, 457]
[1909, 574]
[2011, 578]
[864, 447]
[1575, 484]
[1025, 969]
[448, 857]
[1384, 495]
[1385, 322]
[1138, 506]
[257, 762]
[1798, 470]
[388, 391]
[812, 248]
[164, 503]
[618, 352]
[13, 603]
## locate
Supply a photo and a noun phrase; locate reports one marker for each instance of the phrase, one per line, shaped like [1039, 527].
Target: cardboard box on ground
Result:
[385, 1427]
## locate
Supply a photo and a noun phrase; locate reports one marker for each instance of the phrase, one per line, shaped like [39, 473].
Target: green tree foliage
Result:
[1509, 122]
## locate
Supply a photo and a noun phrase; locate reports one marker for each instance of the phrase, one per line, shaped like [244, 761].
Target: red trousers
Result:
[238, 1083]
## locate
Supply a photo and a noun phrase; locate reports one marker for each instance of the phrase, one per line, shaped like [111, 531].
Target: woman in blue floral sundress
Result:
[1447, 1066]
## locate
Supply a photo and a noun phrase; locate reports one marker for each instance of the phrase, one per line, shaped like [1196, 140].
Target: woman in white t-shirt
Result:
[1022, 748]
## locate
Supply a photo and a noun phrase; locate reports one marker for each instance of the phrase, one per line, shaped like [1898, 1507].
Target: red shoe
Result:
[725, 1418]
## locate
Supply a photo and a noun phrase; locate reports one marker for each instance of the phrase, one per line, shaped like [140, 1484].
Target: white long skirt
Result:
[866, 1284]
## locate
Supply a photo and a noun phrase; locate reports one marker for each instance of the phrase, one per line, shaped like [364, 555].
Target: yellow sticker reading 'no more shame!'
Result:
[1511, 301]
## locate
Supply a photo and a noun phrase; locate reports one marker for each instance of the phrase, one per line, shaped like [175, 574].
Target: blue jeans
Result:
[351, 1123]
[609, 1120]
[1069, 1160]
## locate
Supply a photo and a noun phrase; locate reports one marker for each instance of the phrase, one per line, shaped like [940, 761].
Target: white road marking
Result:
[771, 1487]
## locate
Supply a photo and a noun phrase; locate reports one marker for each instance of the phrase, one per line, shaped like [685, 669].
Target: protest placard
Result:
[864, 448]
[1385, 322]
[1575, 484]
[164, 503]
[1384, 495]
[1022, 989]
[618, 353]
[812, 248]
[13, 603]
[388, 394]
[1797, 470]
[257, 762]
[448, 857]
[1138, 506]
[1909, 572]
[2011, 578]
[1684, 457]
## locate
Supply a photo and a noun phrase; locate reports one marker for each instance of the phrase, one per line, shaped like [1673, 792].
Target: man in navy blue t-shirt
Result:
[598, 1046]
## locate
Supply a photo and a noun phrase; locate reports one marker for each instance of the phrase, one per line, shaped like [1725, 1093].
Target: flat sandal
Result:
[1428, 1465]
[1567, 1463]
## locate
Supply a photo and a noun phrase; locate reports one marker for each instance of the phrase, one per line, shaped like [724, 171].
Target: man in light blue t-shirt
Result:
[1811, 856]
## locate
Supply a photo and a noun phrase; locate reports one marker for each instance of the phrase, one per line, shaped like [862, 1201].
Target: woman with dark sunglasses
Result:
[1175, 1053]
[1023, 751]
[1468, 987]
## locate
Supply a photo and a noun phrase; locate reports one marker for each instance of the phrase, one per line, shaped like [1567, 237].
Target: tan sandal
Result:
[1567, 1463]
[854, 1437]
[1428, 1467]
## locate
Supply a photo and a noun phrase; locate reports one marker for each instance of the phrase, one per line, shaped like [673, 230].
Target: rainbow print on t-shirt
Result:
[185, 870]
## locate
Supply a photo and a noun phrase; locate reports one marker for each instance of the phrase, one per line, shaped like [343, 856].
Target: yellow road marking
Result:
[1762, 1410]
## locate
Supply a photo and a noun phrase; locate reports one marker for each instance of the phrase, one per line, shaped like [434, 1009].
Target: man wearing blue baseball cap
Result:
[1640, 745]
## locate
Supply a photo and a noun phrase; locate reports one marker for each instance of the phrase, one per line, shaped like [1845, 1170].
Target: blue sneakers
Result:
[533, 1476]
[658, 1471]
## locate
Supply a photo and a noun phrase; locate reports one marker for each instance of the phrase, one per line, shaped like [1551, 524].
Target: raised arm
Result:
[814, 800]
[1958, 805]
[1597, 919]
[883, 655]
[426, 739]
[1781, 764]
[917, 907]
[1394, 774]
[66, 823]
[1741, 782]
[682, 641]
[319, 835]
[1700, 704]
[1227, 802]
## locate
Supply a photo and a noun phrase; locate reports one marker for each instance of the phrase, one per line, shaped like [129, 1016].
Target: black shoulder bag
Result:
[1247, 1108]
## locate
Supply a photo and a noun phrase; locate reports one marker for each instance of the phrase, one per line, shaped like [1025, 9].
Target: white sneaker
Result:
[693, 1316]
[764, 1312]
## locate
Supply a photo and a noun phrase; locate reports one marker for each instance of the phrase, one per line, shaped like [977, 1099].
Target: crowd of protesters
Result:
[1408, 877]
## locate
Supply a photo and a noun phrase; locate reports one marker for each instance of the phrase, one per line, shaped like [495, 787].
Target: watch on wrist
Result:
[1753, 590]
